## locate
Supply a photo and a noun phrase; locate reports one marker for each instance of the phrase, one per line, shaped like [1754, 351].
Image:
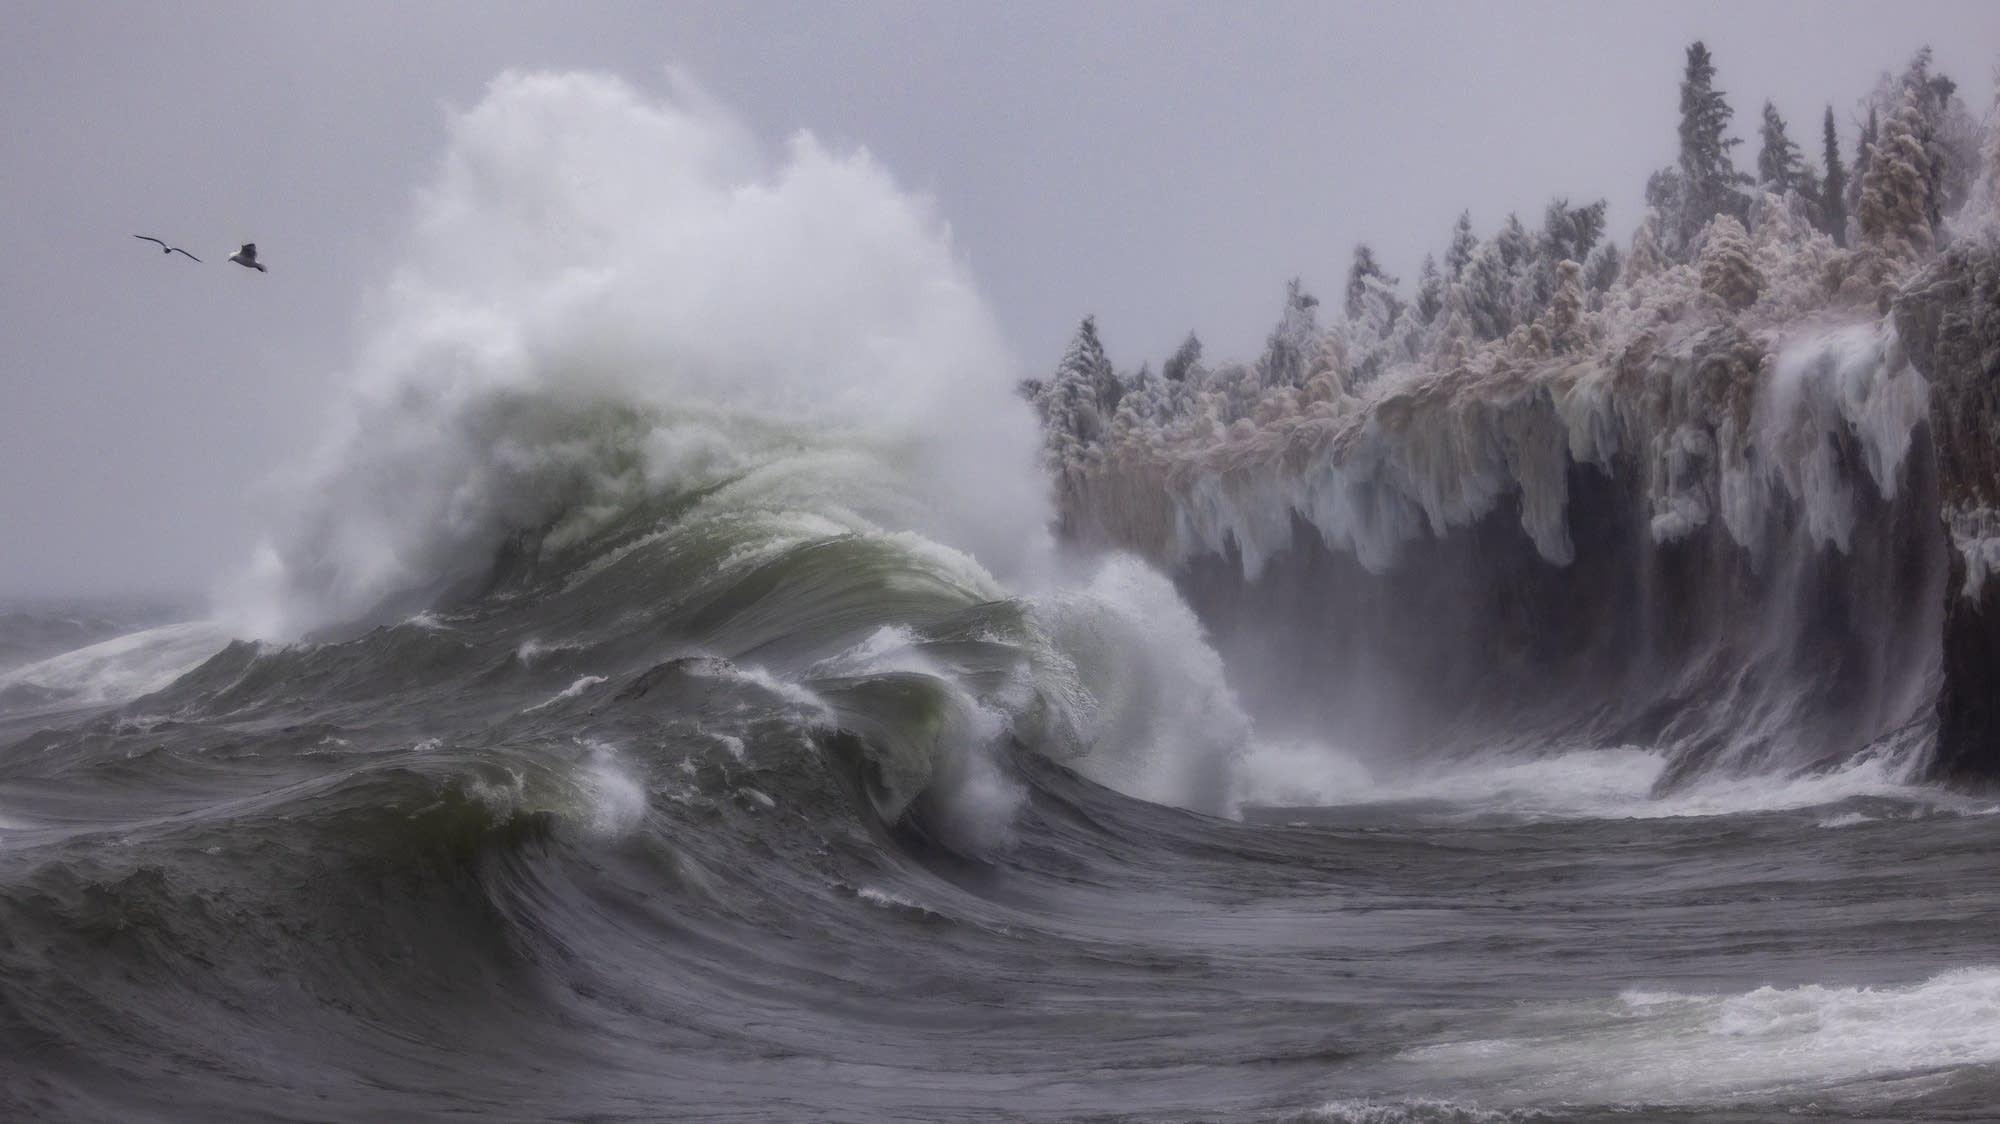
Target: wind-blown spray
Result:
[607, 297]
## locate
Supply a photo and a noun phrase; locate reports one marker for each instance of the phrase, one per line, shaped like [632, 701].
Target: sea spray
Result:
[606, 297]
[625, 339]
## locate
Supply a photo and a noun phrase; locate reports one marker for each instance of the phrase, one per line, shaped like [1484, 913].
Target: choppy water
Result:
[520, 862]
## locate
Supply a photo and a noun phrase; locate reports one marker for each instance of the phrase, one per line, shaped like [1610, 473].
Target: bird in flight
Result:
[247, 256]
[164, 248]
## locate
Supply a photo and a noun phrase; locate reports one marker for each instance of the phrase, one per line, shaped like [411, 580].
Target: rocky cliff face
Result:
[1949, 320]
[1720, 545]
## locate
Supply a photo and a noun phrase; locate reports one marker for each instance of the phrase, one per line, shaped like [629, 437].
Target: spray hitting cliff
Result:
[1687, 496]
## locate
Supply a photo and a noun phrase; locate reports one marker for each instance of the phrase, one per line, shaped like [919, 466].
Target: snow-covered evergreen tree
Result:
[1184, 365]
[1082, 394]
[1489, 292]
[1896, 193]
[1292, 343]
[1864, 144]
[1707, 179]
[1459, 254]
[1947, 132]
[1601, 270]
[1430, 290]
[1780, 167]
[1514, 243]
[1364, 270]
[1832, 211]
[1569, 233]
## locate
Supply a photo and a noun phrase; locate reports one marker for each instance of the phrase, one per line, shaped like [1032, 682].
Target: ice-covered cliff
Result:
[1684, 496]
[1949, 317]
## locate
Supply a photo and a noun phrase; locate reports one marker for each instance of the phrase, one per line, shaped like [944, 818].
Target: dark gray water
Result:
[554, 855]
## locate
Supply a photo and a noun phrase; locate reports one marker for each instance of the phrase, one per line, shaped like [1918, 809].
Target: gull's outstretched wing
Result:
[178, 250]
[149, 238]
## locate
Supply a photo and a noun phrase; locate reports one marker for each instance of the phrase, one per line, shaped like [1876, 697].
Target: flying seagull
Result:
[247, 256]
[164, 248]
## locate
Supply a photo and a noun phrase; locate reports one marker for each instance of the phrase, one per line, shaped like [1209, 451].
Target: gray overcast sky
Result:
[1164, 166]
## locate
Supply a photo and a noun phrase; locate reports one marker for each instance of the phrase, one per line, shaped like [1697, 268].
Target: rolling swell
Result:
[697, 823]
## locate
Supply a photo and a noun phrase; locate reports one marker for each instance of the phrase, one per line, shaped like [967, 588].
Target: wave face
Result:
[661, 698]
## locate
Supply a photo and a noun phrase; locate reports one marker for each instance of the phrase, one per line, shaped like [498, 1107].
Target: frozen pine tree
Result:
[1430, 290]
[1707, 178]
[1779, 165]
[1833, 190]
[1082, 394]
[1184, 365]
[1600, 272]
[1514, 243]
[1569, 233]
[1363, 270]
[1944, 128]
[1459, 254]
[1293, 342]
[1489, 293]
[1666, 196]
[1864, 145]
[1894, 212]
[1378, 311]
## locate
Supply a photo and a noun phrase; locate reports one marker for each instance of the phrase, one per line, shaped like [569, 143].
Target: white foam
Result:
[894, 902]
[1145, 698]
[532, 650]
[803, 702]
[607, 296]
[123, 667]
[617, 797]
[1612, 783]
[583, 683]
[1649, 1047]
[1418, 1110]
[890, 648]
[1300, 775]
